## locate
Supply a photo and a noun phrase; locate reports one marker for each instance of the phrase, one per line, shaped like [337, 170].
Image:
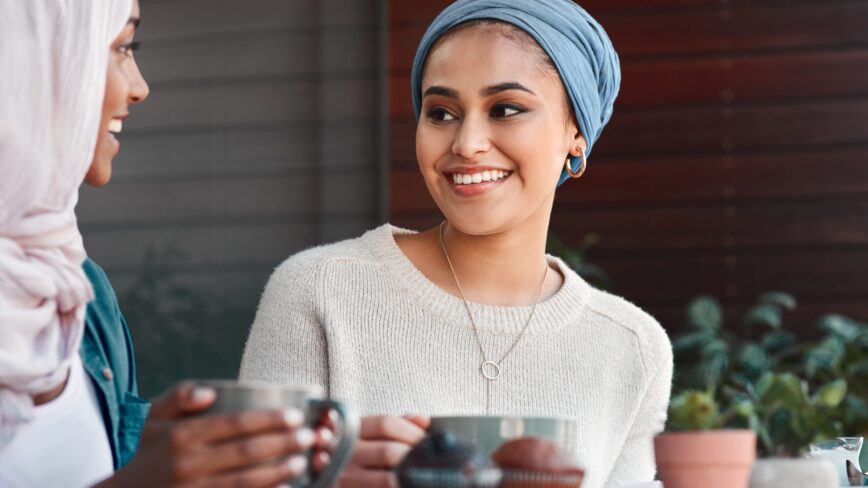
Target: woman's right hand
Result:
[383, 443]
[215, 450]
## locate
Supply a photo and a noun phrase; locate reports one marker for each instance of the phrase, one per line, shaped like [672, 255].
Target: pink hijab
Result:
[53, 63]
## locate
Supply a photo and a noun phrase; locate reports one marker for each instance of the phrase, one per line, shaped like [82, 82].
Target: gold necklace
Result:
[489, 369]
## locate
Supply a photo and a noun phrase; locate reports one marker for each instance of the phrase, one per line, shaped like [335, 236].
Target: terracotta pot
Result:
[707, 459]
[793, 473]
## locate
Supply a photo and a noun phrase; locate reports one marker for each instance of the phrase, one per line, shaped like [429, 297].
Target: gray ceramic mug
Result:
[488, 433]
[237, 396]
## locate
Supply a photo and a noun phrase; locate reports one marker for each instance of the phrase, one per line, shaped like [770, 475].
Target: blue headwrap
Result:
[575, 42]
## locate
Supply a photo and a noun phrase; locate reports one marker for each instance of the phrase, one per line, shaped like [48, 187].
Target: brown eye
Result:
[502, 111]
[440, 115]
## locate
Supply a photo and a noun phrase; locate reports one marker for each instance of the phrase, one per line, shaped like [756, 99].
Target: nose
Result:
[139, 89]
[472, 138]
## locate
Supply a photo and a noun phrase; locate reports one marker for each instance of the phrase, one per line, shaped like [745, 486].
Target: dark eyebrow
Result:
[135, 21]
[441, 90]
[502, 87]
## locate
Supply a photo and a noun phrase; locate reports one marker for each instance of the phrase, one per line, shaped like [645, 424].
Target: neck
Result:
[504, 268]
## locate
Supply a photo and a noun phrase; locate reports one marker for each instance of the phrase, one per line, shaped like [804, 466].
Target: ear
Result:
[579, 142]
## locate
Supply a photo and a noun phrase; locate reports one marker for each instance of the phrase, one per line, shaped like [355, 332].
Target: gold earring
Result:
[582, 168]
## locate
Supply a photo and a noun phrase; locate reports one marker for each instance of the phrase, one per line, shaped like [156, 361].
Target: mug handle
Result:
[346, 444]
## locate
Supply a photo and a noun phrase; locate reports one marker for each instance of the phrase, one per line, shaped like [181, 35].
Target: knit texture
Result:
[360, 320]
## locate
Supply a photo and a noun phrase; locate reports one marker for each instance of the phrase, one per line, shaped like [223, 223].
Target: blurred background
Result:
[734, 164]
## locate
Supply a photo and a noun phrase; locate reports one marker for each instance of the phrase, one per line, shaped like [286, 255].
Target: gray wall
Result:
[263, 135]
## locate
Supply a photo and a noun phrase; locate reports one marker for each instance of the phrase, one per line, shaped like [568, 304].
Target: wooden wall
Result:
[736, 161]
[262, 136]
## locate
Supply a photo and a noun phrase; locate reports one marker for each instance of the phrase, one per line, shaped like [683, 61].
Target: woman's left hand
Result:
[383, 443]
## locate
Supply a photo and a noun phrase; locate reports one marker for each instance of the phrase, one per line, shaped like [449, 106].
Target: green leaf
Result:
[753, 359]
[778, 298]
[831, 394]
[743, 407]
[693, 410]
[825, 356]
[705, 313]
[765, 314]
[691, 340]
[764, 384]
[777, 340]
[859, 368]
[841, 326]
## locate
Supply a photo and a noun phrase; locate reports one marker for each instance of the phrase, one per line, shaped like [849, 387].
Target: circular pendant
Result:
[490, 370]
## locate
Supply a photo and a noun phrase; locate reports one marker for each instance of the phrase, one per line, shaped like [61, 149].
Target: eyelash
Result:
[128, 48]
[440, 111]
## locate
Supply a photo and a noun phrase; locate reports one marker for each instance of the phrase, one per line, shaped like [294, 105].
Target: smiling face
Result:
[494, 131]
[124, 87]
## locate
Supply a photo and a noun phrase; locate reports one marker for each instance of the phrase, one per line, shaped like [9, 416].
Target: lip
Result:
[469, 170]
[473, 189]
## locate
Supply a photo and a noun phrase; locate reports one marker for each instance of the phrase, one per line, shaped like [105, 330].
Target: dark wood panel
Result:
[827, 274]
[737, 127]
[749, 27]
[755, 77]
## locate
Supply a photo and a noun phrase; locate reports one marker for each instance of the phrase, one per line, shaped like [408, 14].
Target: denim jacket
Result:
[107, 354]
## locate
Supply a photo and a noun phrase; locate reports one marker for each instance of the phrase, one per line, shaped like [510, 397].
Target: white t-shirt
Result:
[66, 443]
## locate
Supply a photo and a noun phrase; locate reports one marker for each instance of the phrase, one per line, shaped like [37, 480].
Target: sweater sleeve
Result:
[287, 344]
[636, 460]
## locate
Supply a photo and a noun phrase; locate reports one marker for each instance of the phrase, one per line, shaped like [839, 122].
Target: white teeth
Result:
[115, 126]
[488, 175]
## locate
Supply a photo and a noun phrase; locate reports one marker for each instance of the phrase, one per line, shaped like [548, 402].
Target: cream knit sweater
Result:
[358, 319]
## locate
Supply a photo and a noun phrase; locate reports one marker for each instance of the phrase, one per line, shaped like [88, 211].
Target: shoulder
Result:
[300, 275]
[651, 337]
[103, 311]
[302, 266]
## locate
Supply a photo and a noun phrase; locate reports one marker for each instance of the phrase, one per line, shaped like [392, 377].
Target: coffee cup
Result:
[236, 396]
[488, 433]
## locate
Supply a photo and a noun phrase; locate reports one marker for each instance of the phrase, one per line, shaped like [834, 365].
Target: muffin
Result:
[537, 463]
[440, 460]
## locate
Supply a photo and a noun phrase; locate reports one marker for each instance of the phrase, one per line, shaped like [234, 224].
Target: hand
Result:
[383, 443]
[217, 450]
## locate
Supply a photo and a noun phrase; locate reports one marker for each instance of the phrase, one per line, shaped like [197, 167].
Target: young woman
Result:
[70, 414]
[472, 317]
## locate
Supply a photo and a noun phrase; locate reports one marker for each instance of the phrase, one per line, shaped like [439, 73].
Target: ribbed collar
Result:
[558, 311]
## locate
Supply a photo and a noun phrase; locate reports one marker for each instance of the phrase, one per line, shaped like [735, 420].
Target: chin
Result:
[100, 173]
[474, 226]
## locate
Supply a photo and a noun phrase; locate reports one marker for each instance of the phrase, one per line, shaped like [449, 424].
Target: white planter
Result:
[793, 473]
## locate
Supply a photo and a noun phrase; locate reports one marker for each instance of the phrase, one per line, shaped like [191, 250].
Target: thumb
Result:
[181, 400]
[421, 421]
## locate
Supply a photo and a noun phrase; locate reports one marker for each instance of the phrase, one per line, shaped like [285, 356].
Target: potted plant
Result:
[787, 419]
[764, 377]
[697, 451]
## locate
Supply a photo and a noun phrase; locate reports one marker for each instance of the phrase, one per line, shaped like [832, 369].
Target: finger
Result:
[320, 461]
[259, 476]
[213, 428]
[379, 454]
[421, 421]
[325, 439]
[364, 478]
[391, 428]
[243, 453]
[331, 418]
[181, 400]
